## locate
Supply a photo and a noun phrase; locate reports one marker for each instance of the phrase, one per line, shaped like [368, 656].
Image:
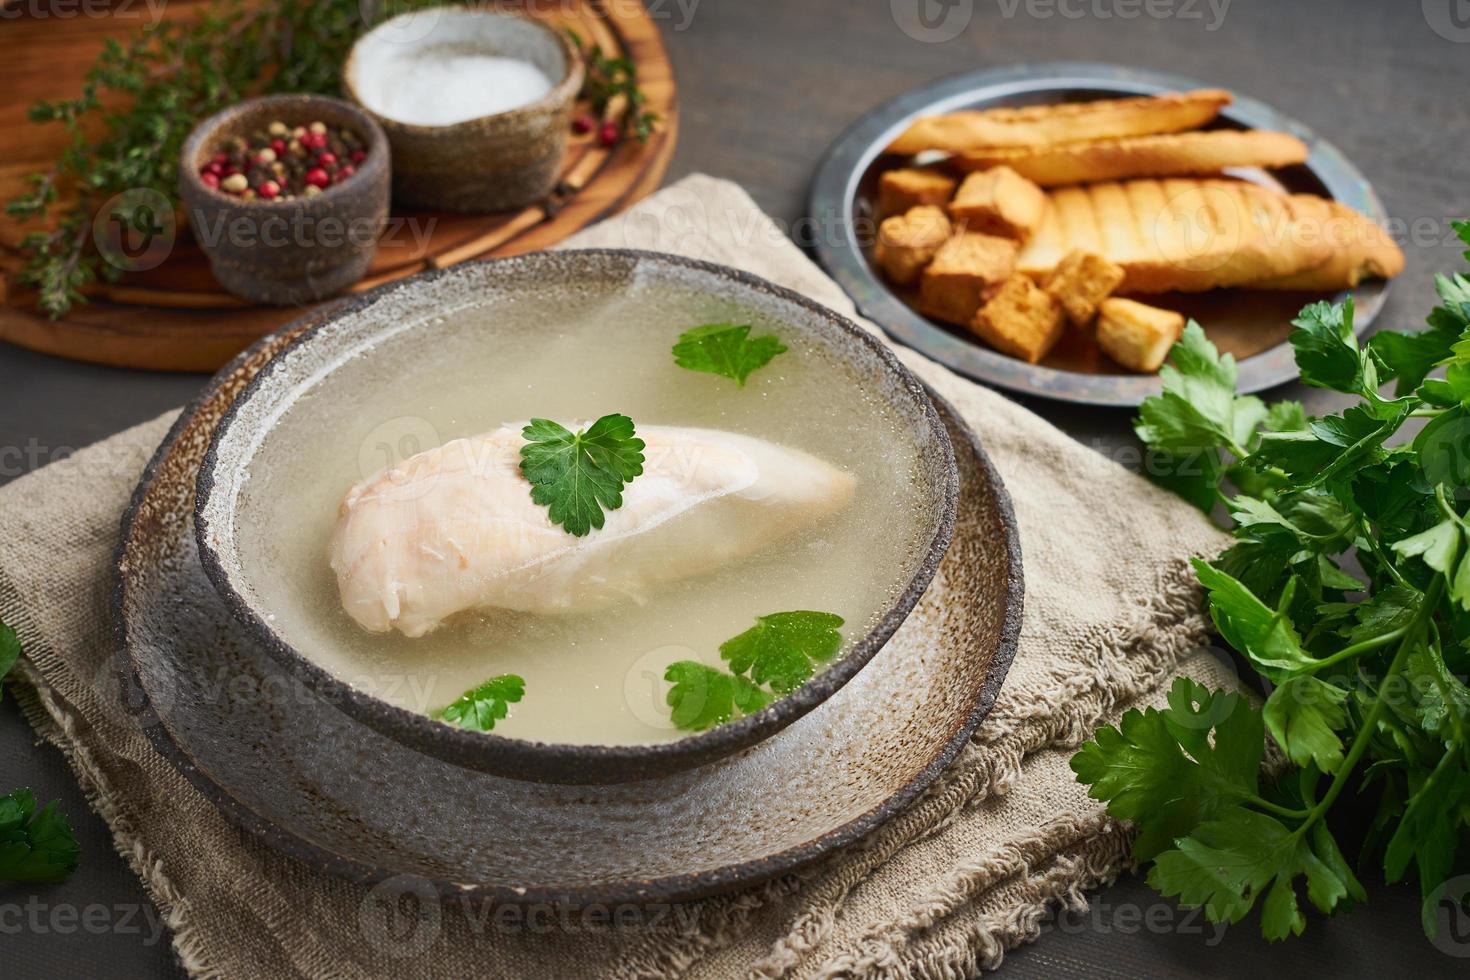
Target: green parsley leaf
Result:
[703, 697]
[1409, 357]
[1326, 349]
[1229, 861]
[1263, 634]
[1304, 715]
[726, 349]
[782, 650]
[35, 847]
[9, 651]
[1160, 769]
[578, 475]
[1198, 406]
[481, 707]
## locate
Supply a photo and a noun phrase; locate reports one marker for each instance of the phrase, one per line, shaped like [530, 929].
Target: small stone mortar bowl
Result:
[497, 162]
[285, 252]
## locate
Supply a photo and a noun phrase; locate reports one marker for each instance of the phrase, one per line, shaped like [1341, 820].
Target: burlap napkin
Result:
[1111, 614]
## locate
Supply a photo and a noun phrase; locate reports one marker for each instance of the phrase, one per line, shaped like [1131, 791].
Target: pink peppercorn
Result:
[343, 174]
[357, 156]
[608, 134]
[317, 177]
[582, 124]
[210, 179]
[269, 189]
[326, 158]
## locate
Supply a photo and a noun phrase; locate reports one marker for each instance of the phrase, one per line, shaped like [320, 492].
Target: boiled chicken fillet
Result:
[454, 528]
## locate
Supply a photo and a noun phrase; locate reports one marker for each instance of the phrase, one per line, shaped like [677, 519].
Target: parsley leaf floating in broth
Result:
[481, 707]
[703, 697]
[726, 349]
[578, 475]
[779, 653]
[783, 649]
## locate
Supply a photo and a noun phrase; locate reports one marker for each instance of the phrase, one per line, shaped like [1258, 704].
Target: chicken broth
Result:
[592, 675]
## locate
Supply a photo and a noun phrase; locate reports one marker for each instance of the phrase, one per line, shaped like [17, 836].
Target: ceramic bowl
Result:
[493, 163]
[392, 322]
[295, 251]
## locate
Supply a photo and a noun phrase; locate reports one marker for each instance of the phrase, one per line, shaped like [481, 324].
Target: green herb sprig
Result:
[578, 475]
[774, 657]
[1367, 676]
[726, 349]
[481, 707]
[36, 847]
[608, 79]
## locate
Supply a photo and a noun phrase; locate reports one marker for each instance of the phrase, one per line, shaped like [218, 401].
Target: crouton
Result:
[1135, 335]
[907, 242]
[1080, 282]
[999, 201]
[1020, 319]
[909, 187]
[964, 268]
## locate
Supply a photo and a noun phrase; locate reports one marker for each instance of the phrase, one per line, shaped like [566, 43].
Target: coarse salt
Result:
[438, 90]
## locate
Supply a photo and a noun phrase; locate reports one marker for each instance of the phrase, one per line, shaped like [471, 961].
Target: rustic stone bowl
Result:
[498, 162]
[290, 768]
[410, 313]
[296, 251]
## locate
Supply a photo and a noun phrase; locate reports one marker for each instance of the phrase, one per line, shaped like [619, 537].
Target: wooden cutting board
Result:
[176, 317]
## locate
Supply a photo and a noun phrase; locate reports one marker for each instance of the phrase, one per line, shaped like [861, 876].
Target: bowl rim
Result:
[374, 164]
[564, 89]
[565, 762]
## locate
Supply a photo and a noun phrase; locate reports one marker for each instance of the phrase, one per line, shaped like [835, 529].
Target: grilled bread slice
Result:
[1188, 235]
[1163, 155]
[1042, 125]
[1360, 249]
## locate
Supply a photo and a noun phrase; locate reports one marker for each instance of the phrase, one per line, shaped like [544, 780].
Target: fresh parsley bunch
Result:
[35, 846]
[1348, 592]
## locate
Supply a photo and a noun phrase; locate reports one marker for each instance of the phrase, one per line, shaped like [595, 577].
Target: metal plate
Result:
[1252, 324]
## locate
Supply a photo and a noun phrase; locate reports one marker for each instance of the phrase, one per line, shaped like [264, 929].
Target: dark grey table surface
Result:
[765, 87]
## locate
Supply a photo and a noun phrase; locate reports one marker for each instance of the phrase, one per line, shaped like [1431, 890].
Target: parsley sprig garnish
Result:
[726, 349]
[1367, 677]
[35, 846]
[481, 707]
[578, 475]
[774, 657]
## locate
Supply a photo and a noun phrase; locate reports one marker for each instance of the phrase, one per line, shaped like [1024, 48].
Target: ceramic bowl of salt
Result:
[476, 102]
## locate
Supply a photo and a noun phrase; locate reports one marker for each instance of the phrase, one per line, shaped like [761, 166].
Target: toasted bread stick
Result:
[1184, 234]
[1360, 249]
[1043, 125]
[1163, 155]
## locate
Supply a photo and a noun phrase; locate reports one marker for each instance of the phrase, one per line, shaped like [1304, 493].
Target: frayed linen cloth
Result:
[971, 869]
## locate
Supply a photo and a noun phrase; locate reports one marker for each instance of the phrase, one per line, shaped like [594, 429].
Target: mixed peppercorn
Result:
[281, 162]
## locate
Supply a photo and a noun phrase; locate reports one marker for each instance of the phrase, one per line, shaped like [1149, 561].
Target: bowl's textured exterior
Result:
[499, 162]
[287, 765]
[296, 251]
[413, 307]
